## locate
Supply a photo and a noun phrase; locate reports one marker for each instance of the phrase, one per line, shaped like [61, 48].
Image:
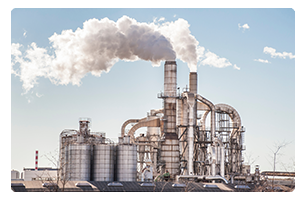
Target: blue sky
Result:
[262, 91]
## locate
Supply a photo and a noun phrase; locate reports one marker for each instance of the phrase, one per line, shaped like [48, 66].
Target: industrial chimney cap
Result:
[169, 62]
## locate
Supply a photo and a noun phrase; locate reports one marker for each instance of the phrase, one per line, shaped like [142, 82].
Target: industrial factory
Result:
[188, 140]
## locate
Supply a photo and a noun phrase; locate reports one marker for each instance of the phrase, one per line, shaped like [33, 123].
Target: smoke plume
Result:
[97, 46]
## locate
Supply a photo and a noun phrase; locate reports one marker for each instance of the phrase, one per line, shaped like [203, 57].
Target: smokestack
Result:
[170, 78]
[170, 146]
[36, 160]
[193, 82]
[170, 97]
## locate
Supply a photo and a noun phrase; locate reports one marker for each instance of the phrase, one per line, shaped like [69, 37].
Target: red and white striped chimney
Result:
[36, 160]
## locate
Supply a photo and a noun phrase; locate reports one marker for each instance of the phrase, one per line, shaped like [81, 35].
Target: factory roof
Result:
[103, 186]
[40, 169]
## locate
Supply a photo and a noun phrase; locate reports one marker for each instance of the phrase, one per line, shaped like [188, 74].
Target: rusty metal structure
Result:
[189, 136]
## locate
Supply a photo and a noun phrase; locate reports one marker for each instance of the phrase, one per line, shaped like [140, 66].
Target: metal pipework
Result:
[212, 108]
[191, 124]
[129, 122]
[152, 122]
[84, 125]
[216, 178]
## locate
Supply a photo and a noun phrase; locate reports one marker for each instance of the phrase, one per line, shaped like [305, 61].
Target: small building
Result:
[15, 175]
[42, 173]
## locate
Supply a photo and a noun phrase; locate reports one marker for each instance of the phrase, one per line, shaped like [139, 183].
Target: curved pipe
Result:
[234, 115]
[154, 122]
[203, 118]
[212, 108]
[216, 178]
[128, 122]
[156, 111]
[232, 112]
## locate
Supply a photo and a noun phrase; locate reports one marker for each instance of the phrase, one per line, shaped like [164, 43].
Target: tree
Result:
[277, 152]
[62, 175]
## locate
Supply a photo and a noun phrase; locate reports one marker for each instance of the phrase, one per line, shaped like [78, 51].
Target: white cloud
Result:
[235, 67]
[35, 63]
[161, 19]
[244, 26]
[24, 33]
[39, 95]
[174, 15]
[261, 60]
[274, 54]
[214, 60]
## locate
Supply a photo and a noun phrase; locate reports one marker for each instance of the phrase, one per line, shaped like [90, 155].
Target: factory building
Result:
[193, 137]
[40, 174]
[189, 138]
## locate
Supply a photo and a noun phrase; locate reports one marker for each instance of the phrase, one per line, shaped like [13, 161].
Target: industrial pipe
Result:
[212, 108]
[128, 122]
[216, 178]
[190, 137]
[154, 122]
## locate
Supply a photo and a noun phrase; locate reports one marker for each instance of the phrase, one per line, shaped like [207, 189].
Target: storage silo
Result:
[15, 174]
[126, 169]
[79, 162]
[103, 162]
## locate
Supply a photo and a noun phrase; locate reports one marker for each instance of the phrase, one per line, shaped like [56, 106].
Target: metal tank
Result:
[103, 162]
[126, 169]
[15, 174]
[79, 162]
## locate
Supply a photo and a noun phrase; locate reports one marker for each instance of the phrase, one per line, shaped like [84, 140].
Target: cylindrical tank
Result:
[103, 162]
[15, 174]
[126, 162]
[79, 162]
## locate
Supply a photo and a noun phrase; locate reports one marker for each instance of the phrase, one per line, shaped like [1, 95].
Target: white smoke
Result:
[184, 44]
[97, 46]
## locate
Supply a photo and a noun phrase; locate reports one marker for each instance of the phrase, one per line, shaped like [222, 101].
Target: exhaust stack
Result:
[170, 146]
[193, 82]
[170, 98]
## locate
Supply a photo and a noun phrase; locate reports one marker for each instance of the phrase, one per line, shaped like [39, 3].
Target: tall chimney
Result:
[193, 85]
[170, 146]
[170, 97]
[36, 160]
